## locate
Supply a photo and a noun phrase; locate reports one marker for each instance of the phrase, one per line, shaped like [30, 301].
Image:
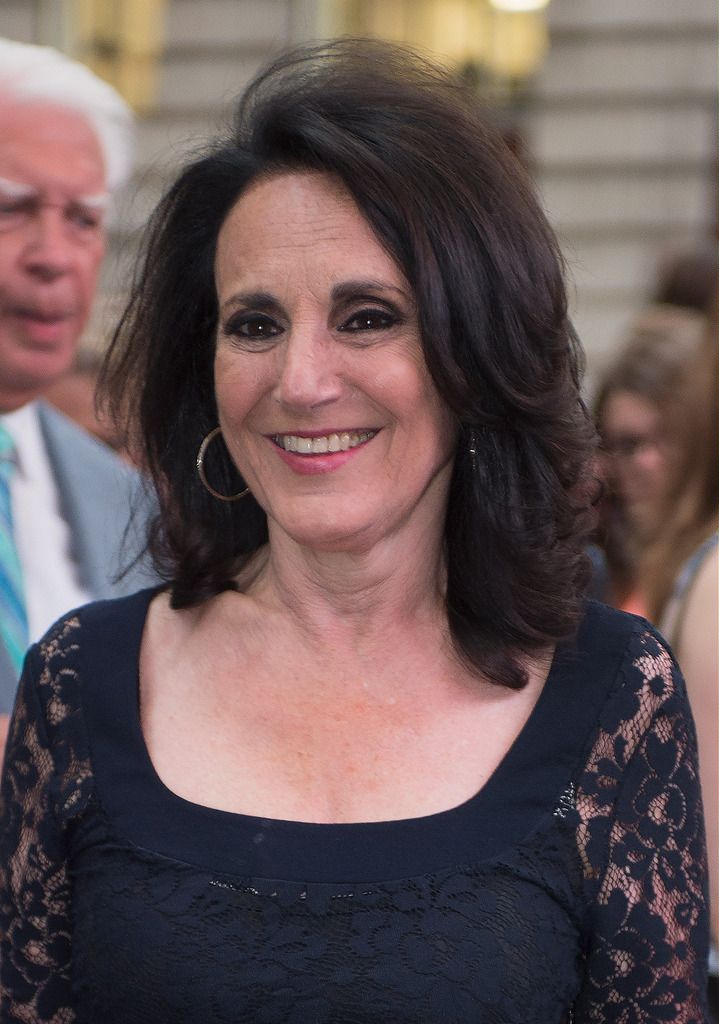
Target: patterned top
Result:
[570, 888]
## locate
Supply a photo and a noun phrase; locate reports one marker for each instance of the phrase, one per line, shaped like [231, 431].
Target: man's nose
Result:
[49, 252]
[307, 374]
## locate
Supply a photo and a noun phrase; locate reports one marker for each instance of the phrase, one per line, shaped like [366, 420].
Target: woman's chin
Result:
[336, 541]
[330, 533]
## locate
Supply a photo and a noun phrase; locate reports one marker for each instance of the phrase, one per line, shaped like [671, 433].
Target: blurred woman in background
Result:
[653, 515]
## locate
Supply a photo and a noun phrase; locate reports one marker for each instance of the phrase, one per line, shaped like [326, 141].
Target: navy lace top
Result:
[570, 888]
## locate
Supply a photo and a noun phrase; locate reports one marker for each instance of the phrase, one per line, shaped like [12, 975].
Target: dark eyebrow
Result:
[263, 302]
[355, 289]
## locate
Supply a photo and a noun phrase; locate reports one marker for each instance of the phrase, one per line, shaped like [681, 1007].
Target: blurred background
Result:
[611, 104]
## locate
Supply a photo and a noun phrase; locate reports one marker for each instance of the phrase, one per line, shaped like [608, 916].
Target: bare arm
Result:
[698, 653]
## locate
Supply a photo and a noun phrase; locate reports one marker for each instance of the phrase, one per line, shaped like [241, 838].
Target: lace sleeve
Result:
[643, 846]
[42, 779]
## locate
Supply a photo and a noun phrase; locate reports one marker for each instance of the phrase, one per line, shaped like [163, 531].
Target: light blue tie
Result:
[13, 616]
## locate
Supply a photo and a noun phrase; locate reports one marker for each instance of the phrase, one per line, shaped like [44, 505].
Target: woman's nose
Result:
[308, 371]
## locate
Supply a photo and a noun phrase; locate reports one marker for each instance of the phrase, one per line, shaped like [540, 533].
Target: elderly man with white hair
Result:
[65, 142]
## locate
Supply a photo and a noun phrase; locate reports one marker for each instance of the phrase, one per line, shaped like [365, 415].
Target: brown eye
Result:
[369, 320]
[254, 326]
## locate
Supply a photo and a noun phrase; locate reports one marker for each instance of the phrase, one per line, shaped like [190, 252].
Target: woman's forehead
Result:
[307, 220]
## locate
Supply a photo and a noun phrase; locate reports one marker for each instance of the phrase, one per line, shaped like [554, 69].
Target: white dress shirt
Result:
[42, 535]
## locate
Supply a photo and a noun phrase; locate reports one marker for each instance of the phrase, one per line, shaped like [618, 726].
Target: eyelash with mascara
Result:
[366, 320]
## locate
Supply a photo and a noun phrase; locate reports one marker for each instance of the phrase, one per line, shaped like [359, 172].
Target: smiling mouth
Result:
[323, 444]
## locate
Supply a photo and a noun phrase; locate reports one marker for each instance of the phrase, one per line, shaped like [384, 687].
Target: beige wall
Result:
[625, 136]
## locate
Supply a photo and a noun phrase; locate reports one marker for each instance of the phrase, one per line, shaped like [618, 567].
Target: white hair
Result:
[41, 74]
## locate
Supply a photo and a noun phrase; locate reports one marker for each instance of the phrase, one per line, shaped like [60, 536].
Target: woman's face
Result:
[324, 398]
[638, 454]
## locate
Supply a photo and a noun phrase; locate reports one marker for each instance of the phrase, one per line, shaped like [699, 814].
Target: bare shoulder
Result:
[704, 588]
[171, 639]
[164, 625]
[697, 642]
[191, 642]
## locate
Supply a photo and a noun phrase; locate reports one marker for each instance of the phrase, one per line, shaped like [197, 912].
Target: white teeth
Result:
[320, 445]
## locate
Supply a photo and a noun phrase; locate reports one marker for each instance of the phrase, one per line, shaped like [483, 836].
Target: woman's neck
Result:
[357, 595]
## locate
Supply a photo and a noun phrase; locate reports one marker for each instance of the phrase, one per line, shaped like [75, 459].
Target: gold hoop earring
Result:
[200, 464]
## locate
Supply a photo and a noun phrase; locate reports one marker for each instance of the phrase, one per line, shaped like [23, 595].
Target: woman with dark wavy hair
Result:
[368, 755]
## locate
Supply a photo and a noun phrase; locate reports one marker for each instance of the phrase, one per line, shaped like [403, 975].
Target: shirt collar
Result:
[23, 426]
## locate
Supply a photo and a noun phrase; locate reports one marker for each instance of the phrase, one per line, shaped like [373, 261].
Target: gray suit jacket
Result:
[97, 493]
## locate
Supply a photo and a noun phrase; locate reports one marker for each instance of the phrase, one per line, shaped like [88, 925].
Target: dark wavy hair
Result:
[451, 204]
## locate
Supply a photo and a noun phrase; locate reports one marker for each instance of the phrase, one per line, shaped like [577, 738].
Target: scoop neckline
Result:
[154, 817]
[435, 816]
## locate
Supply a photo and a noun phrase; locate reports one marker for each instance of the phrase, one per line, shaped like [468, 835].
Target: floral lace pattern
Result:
[639, 799]
[598, 915]
[43, 782]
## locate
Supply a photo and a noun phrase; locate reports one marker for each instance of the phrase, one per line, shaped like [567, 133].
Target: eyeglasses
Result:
[21, 204]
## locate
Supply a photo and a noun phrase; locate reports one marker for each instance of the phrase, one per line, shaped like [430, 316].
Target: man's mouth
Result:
[42, 317]
[43, 328]
[323, 443]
